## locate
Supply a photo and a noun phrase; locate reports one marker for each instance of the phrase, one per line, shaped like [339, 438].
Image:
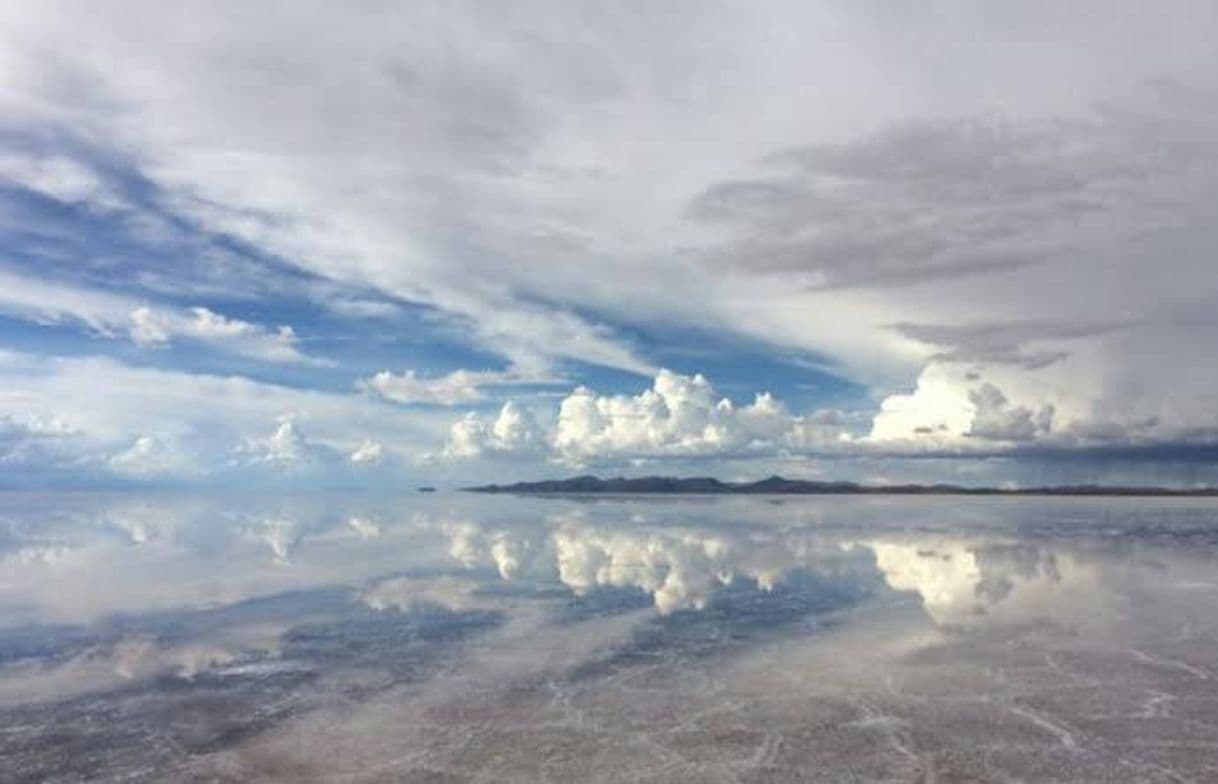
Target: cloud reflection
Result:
[680, 568]
[264, 627]
[970, 583]
[959, 582]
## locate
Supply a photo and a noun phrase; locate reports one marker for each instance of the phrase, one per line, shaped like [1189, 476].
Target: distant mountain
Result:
[777, 485]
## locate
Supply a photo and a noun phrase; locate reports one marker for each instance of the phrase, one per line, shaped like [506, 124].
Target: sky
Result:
[379, 243]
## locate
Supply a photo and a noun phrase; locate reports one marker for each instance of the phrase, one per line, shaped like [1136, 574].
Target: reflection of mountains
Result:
[960, 582]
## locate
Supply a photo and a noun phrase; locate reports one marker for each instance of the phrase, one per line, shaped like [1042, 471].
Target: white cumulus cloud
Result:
[679, 416]
[513, 432]
[459, 386]
[149, 456]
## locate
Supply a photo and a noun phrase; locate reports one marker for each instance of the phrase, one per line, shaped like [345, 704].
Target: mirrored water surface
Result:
[455, 637]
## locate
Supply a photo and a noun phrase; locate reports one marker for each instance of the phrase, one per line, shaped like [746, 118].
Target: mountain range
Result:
[777, 485]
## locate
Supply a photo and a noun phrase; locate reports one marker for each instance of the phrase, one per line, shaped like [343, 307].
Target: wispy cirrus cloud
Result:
[121, 317]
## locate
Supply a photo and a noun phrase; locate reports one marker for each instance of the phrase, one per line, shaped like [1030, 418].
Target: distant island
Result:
[777, 485]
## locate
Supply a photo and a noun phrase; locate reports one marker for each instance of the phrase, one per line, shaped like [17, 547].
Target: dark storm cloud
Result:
[1005, 344]
[996, 420]
[944, 199]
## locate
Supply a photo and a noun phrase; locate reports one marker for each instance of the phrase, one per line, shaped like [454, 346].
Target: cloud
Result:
[38, 441]
[156, 424]
[150, 327]
[515, 430]
[995, 420]
[684, 416]
[470, 212]
[513, 433]
[953, 411]
[1006, 343]
[459, 386]
[284, 449]
[543, 185]
[12, 428]
[116, 316]
[918, 203]
[151, 457]
[287, 450]
[58, 177]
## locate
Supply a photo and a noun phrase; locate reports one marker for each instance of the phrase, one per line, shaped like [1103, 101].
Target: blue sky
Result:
[452, 242]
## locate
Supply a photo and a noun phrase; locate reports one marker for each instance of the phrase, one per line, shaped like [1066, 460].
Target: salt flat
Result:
[462, 638]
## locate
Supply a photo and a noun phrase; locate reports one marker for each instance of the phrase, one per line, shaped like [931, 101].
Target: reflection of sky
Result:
[82, 559]
[99, 593]
[969, 583]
